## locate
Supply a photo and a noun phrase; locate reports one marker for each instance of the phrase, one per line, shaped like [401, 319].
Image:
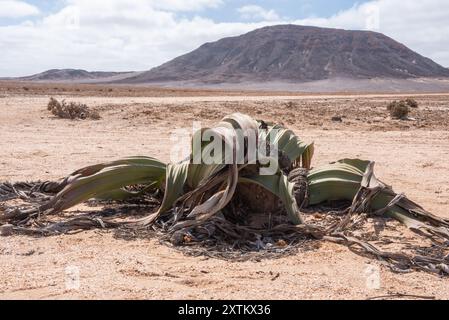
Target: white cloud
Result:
[16, 9]
[420, 25]
[185, 5]
[138, 5]
[141, 34]
[254, 12]
[122, 35]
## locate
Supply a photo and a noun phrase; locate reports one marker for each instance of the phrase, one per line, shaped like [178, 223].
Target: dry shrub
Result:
[399, 110]
[337, 119]
[412, 103]
[71, 110]
[290, 104]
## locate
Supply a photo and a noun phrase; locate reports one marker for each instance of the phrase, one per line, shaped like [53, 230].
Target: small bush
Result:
[399, 110]
[53, 104]
[391, 105]
[337, 119]
[71, 110]
[290, 104]
[412, 103]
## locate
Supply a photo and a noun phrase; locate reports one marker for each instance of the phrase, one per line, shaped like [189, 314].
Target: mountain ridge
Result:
[74, 75]
[291, 54]
[295, 54]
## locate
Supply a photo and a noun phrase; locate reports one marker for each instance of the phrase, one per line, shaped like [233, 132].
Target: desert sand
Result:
[411, 155]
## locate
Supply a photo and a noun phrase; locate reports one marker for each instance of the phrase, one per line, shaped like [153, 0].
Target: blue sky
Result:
[292, 9]
[123, 35]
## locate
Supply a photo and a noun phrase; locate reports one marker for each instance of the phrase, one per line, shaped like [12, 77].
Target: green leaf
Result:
[290, 144]
[175, 184]
[105, 179]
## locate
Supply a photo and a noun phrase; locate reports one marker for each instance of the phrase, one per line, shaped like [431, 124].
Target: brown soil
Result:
[411, 155]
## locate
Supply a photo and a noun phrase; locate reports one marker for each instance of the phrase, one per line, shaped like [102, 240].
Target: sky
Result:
[125, 35]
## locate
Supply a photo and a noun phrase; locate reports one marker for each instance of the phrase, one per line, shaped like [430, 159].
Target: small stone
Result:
[187, 239]
[281, 244]
[318, 216]
[177, 239]
[443, 267]
[378, 119]
[337, 119]
[6, 230]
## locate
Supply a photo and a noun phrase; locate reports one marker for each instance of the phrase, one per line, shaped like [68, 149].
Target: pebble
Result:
[337, 119]
[6, 230]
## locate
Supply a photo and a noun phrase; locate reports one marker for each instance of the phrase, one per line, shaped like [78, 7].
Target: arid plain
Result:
[411, 155]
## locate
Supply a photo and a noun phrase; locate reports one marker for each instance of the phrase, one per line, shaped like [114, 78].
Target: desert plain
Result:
[410, 155]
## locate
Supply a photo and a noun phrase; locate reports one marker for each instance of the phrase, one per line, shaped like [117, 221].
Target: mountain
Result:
[74, 75]
[292, 53]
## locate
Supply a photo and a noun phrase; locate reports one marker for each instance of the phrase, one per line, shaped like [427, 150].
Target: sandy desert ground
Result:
[411, 155]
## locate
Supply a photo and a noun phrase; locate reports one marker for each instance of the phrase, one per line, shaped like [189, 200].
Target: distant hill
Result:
[297, 58]
[74, 75]
[293, 53]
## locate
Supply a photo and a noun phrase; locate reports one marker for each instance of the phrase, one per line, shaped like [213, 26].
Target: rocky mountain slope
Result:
[295, 53]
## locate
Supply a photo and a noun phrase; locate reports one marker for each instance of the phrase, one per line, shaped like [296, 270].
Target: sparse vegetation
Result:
[337, 119]
[399, 110]
[71, 110]
[216, 204]
[290, 104]
[412, 103]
